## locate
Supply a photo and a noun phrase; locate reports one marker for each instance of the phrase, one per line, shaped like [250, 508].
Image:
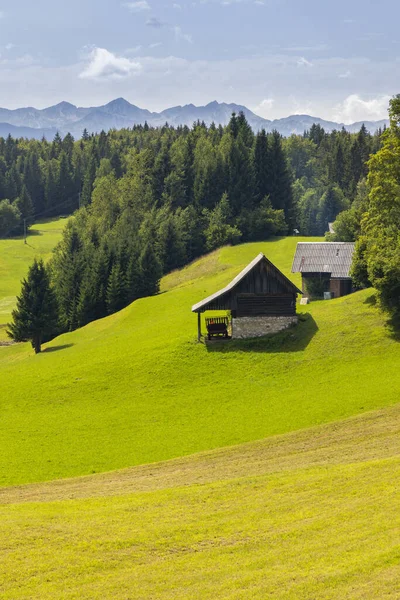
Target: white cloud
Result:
[106, 65]
[303, 62]
[139, 6]
[177, 6]
[345, 75]
[155, 45]
[354, 108]
[264, 108]
[180, 35]
[9, 46]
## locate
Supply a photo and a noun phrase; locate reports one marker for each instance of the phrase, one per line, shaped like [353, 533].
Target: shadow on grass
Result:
[393, 325]
[371, 300]
[57, 348]
[293, 339]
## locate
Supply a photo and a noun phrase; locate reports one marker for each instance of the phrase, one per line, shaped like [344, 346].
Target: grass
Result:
[304, 515]
[15, 259]
[136, 388]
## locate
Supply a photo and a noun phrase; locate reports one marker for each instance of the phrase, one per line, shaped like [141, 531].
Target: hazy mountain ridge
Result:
[117, 114]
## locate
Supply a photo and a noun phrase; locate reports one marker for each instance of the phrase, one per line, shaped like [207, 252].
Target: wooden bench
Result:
[217, 326]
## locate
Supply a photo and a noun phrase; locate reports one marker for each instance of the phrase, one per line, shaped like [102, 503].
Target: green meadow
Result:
[137, 463]
[312, 514]
[15, 259]
[137, 388]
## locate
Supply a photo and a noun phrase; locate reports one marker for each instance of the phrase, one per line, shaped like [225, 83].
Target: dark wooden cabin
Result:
[324, 267]
[260, 290]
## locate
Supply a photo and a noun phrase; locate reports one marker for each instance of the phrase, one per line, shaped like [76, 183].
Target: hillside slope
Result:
[311, 514]
[16, 257]
[136, 388]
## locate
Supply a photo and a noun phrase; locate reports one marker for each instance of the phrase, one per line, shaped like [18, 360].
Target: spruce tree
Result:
[35, 318]
[261, 166]
[116, 290]
[150, 271]
[25, 206]
[279, 181]
[88, 181]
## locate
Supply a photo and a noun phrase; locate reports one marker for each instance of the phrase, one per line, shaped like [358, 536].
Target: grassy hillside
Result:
[15, 259]
[136, 388]
[311, 514]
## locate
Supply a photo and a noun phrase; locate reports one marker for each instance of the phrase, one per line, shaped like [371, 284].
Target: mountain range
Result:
[65, 117]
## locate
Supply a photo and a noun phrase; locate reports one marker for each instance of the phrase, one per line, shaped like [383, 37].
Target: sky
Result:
[336, 60]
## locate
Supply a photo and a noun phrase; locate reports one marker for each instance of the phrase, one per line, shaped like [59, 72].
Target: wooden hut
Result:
[325, 268]
[260, 300]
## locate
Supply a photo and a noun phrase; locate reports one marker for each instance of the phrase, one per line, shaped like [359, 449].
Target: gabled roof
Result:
[261, 257]
[324, 257]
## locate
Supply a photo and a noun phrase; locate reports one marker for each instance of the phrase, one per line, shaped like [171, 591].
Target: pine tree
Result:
[88, 181]
[279, 187]
[116, 290]
[25, 206]
[261, 166]
[66, 192]
[68, 264]
[35, 318]
[33, 181]
[150, 271]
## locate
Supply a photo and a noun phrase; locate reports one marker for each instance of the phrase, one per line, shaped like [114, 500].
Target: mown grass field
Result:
[15, 259]
[136, 388]
[310, 514]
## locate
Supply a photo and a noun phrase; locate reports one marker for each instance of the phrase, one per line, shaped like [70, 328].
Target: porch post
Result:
[198, 326]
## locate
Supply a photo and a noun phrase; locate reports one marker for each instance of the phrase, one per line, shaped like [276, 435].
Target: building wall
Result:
[340, 287]
[335, 287]
[253, 327]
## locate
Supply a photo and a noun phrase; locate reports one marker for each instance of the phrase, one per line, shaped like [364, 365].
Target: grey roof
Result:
[237, 279]
[324, 257]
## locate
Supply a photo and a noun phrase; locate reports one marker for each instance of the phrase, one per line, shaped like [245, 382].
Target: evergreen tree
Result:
[261, 166]
[116, 290]
[88, 181]
[68, 268]
[279, 187]
[35, 318]
[25, 206]
[33, 181]
[66, 192]
[150, 272]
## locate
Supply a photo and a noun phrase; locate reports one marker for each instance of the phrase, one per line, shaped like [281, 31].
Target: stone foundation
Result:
[253, 327]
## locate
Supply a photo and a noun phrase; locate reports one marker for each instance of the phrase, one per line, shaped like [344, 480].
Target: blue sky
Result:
[338, 60]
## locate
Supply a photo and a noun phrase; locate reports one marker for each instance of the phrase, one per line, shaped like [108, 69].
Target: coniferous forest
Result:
[147, 201]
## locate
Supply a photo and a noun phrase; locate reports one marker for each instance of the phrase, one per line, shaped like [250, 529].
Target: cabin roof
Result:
[324, 257]
[261, 257]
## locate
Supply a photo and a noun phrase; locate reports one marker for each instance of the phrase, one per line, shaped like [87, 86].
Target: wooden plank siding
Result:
[261, 291]
[272, 305]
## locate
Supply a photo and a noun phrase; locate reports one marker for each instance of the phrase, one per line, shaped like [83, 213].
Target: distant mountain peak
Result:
[64, 104]
[119, 102]
[119, 113]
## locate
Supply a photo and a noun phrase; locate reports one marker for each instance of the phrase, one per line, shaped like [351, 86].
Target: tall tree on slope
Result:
[35, 318]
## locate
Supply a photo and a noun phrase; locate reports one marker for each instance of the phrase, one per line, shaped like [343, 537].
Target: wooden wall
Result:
[263, 292]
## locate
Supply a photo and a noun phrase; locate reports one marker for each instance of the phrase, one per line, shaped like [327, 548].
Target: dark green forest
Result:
[147, 200]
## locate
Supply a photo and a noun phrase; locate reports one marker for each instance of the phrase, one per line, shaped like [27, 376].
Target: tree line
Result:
[373, 220]
[151, 200]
